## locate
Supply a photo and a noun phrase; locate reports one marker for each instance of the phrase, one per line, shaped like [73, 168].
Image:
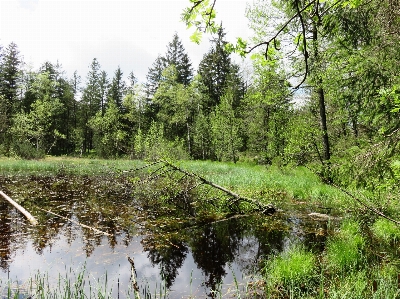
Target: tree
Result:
[226, 130]
[214, 70]
[10, 75]
[103, 90]
[90, 104]
[117, 89]
[109, 133]
[177, 56]
[174, 105]
[154, 76]
[10, 78]
[36, 130]
[267, 109]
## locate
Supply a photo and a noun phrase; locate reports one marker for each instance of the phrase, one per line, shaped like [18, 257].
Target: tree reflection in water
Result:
[243, 241]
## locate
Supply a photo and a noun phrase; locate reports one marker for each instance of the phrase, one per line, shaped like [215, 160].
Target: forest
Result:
[323, 90]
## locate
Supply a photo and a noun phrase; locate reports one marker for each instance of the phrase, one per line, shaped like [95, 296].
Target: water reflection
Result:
[196, 260]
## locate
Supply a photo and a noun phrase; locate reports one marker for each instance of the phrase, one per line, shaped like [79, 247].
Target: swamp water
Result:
[173, 258]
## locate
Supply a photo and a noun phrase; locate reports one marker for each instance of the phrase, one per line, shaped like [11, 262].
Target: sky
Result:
[126, 33]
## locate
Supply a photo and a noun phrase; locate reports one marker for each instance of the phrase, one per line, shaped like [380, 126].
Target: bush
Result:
[26, 150]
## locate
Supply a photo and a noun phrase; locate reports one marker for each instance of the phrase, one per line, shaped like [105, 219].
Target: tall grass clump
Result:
[386, 230]
[354, 286]
[344, 251]
[292, 273]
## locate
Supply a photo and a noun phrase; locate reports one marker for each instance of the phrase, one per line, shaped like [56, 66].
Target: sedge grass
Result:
[344, 251]
[386, 230]
[65, 165]
[292, 273]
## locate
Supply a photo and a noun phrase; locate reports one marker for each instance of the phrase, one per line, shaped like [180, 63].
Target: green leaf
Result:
[196, 37]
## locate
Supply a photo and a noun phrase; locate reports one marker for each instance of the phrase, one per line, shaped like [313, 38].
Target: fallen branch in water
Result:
[19, 208]
[76, 222]
[267, 209]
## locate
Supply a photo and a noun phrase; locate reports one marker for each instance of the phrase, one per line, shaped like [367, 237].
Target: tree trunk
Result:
[320, 94]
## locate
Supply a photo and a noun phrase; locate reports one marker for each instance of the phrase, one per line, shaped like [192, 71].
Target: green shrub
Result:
[26, 150]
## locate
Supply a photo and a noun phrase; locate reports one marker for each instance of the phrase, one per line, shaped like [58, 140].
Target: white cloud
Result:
[125, 33]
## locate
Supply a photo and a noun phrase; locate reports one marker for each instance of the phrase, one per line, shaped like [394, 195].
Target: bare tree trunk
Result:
[320, 92]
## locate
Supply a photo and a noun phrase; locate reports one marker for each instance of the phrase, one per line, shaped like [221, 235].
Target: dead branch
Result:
[355, 198]
[19, 208]
[267, 209]
[76, 222]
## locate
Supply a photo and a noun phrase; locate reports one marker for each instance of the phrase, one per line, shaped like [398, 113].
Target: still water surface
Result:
[198, 261]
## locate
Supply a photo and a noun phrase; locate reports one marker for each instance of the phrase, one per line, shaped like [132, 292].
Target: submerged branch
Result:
[76, 222]
[20, 208]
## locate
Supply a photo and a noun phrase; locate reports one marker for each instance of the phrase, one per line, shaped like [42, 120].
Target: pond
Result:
[173, 258]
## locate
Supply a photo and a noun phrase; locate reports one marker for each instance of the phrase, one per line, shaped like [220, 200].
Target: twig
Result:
[19, 208]
[76, 222]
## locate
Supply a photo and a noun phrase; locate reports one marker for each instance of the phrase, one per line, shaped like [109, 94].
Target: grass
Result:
[344, 251]
[71, 286]
[386, 230]
[64, 165]
[292, 272]
[271, 184]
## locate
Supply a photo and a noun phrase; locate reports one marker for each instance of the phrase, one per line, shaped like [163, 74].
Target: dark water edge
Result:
[199, 260]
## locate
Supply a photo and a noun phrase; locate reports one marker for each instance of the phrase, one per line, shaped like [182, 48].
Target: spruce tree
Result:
[117, 89]
[154, 76]
[10, 77]
[176, 55]
[214, 70]
[90, 104]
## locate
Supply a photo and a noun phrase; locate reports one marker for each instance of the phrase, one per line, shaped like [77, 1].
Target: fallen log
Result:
[20, 208]
[267, 209]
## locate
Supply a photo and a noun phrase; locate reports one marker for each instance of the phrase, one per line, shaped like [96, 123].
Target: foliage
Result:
[153, 145]
[109, 133]
[225, 130]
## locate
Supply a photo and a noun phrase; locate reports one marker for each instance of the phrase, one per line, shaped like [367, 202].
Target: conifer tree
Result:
[117, 89]
[215, 69]
[154, 76]
[176, 55]
[10, 76]
[90, 104]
